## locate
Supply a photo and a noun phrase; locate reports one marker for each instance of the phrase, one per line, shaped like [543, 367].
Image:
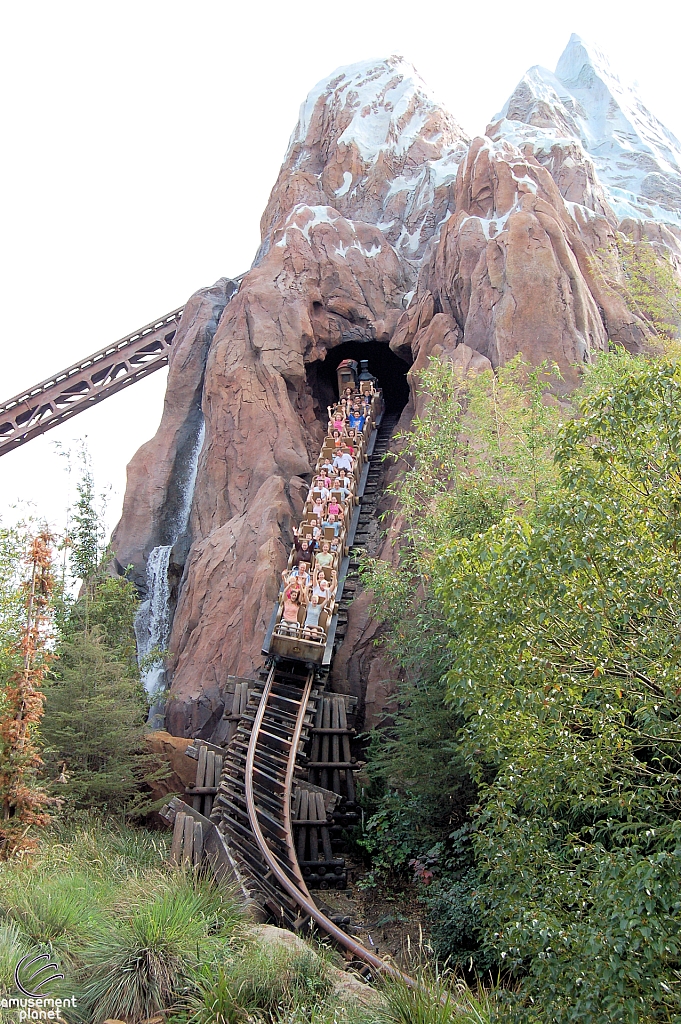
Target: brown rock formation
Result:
[371, 234]
[157, 474]
[326, 277]
[171, 751]
[513, 271]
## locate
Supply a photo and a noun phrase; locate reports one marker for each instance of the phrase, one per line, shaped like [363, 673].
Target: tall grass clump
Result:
[12, 948]
[263, 984]
[437, 998]
[128, 933]
[145, 959]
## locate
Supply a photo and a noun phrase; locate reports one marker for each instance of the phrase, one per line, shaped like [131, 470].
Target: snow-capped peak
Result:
[638, 161]
[377, 105]
[373, 143]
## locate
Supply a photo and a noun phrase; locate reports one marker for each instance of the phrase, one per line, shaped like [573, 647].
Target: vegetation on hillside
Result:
[547, 699]
[651, 283]
[529, 785]
[134, 938]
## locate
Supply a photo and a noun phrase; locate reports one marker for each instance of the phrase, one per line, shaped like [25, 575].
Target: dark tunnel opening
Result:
[389, 369]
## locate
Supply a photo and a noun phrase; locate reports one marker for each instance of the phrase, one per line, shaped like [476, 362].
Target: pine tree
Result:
[96, 706]
[94, 723]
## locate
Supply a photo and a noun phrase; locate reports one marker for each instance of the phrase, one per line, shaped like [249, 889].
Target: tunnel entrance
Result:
[390, 370]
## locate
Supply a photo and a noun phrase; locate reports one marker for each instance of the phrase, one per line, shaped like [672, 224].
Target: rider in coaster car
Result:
[356, 417]
[293, 599]
[304, 547]
[316, 530]
[343, 460]
[336, 418]
[344, 485]
[311, 628]
[321, 587]
[299, 575]
[333, 523]
[318, 507]
[324, 558]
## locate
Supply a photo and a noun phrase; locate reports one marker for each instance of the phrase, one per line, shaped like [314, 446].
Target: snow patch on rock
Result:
[306, 218]
[373, 141]
[386, 103]
[345, 187]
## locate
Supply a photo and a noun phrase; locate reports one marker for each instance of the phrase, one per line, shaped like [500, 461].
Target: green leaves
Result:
[650, 281]
[483, 443]
[565, 668]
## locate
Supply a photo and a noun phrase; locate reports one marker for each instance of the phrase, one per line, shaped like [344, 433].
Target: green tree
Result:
[94, 724]
[651, 282]
[481, 447]
[87, 532]
[566, 670]
[96, 705]
[482, 443]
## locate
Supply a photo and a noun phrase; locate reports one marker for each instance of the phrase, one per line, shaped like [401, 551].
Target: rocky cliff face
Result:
[386, 227]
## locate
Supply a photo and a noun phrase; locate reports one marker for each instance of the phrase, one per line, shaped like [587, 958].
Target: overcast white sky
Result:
[141, 140]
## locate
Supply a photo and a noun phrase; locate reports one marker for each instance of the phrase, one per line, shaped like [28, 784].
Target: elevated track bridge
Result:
[71, 391]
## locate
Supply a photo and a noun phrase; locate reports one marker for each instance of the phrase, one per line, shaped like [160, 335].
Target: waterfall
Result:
[152, 622]
[189, 484]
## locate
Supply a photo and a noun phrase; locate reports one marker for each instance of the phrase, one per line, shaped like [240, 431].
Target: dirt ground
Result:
[387, 921]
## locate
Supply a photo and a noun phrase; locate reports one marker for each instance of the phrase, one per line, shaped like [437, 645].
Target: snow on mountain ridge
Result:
[373, 143]
[387, 101]
[636, 159]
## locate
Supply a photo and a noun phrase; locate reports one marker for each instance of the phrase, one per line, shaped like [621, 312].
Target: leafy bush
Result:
[566, 670]
[456, 923]
[650, 282]
[481, 446]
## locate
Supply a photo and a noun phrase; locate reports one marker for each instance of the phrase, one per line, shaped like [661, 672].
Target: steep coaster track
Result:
[367, 518]
[253, 806]
[249, 836]
[264, 768]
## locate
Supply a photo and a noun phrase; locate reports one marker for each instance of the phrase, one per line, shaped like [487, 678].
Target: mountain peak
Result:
[376, 104]
[638, 161]
[578, 55]
[373, 143]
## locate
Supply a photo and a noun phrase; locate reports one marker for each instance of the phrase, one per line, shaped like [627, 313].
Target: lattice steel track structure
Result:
[88, 382]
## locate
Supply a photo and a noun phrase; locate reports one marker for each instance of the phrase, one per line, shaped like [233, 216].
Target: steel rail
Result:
[300, 894]
[86, 383]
